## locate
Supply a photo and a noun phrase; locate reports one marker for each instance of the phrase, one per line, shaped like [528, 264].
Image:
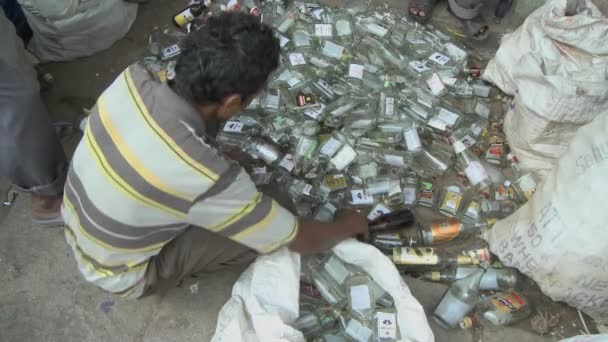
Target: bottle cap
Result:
[466, 323]
[459, 146]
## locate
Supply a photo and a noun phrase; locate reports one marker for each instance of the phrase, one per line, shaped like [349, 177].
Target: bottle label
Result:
[412, 139]
[378, 211]
[336, 182]
[272, 101]
[325, 86]
[435, 85]
[259, 170]
[376, 29]
[475, 129]
[306, 147]
[184, 18]
[389, 106]
[332, 50]
[468, 141]
[314, 112]
[357, 331]
[527, 185]
[303, 100]
[297, 59]
[419, 66]
[360, 298]
[344, 157]
[445, 230]
[323, 30]
[170, 52]
[473, 210]
[479, 256]
[495, 152]
[336, 269]
[355, 71]
[294, 81]
[409, 195]
[343, 28]
[439, 58]
[300, 39]
[476, 173]
[452, 199]
[287, 163]
[387, 325]
[394, 160]
[283, 40]
[448, 117]
[507, 302]
[416, 256]
[233, 126]
[330, 147]
[307, 189]
[482, 110]
[318, 62]
[437, 124]
[360, 197]
[426, 194]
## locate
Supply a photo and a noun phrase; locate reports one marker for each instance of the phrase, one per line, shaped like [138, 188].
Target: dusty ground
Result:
[44, 298]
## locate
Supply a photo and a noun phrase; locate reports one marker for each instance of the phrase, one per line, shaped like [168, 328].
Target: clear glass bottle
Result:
[343, 158]
[497, 209]
[302, 37]
[386, 325]
[459, 300]
[344, 27]
[495, 146]
[428, 256]
[493, 279]
[372, 26]
[473, 169]
[498, 310]
[427, 194]
[272, 100]
[329, 289]
[361, 303]
[525, 181]
[409, 186]
[324, 30]
[354, 74]
[313, 322]
[452, 194]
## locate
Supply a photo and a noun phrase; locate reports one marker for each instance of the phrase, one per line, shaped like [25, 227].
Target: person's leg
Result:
[31, 155]
[196, 250]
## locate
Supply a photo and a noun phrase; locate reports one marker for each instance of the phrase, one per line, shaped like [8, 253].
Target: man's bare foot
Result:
[46, 210]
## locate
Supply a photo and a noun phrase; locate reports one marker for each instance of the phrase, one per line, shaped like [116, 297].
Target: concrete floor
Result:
[44, 298]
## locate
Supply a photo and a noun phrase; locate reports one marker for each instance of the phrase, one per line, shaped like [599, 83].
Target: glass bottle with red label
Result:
[459, 300]
[525, 181]
[495, 146]
[501, 309]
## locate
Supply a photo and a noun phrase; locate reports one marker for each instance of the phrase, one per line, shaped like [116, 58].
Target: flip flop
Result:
[421, 10]
[473, 23]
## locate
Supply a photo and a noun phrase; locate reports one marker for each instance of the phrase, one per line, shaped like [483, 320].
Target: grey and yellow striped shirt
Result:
[143, 173]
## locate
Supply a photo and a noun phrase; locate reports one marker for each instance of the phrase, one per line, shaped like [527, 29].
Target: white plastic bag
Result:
[68, 29]
[559, 238]
[265, 298]
[556, 66]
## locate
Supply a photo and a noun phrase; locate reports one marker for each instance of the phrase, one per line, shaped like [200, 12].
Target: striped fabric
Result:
[143, 173]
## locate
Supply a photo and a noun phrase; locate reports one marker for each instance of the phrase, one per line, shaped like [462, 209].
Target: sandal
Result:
[421, 10]
[473, 23]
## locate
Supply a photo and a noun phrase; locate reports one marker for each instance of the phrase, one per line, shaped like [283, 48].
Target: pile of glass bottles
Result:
[372, 111]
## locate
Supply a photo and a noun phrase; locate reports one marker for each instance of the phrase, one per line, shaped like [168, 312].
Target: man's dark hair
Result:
[233, 54]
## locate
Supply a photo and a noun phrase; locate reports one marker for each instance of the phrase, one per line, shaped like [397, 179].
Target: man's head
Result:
[225, 64]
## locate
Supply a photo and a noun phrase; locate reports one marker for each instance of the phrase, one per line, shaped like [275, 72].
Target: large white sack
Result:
[265, 298]
[560, 238]
[77, 28]
[556, 66]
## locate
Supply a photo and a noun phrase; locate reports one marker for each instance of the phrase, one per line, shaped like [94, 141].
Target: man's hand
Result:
[352, 219]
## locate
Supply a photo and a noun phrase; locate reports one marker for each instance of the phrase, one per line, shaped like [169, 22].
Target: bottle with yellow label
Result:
[440, 231]
[501, 309]
[428, 256]
[188, 14]
[452, 194]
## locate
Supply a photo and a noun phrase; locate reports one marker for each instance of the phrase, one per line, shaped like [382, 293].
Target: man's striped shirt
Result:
[143, 173]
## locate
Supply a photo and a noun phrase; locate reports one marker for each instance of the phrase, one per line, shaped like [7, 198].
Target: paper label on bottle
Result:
[306, 147]
[333, 50]
[360, 197]
[507, 302]
[447, 116]
[482, 110]
[378, 211]
[394, 160]
[336, 182]
[344, 157]
[287, 162]
[343, 28]
[446, 230]
[476, 173]
[259, 170]
[233, 126]
[439, 58]
[305, 100]
[170, 52]
[417, 256]
[297, 59]
[325, 86]
[314, 112]
[185, 17]
[357, 331]
[495, 152]
[389, 106]
[468, 141]
[307, 189]
[272, 101]
[527, 184]
[435, 85]
[409, 195]
[323, 30]
[437, 124]
[294, 81]
[452, 200]
[412, 139]
[479, 256]
[330, 147]
[300, 39]
[319, 62]
[355, 71]
[419, 66]
[360, 298]
[475, 129]
[473, 210]
[283, 40]
[377, 29]
[336, 269]
[481, 90]
[387, 325]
